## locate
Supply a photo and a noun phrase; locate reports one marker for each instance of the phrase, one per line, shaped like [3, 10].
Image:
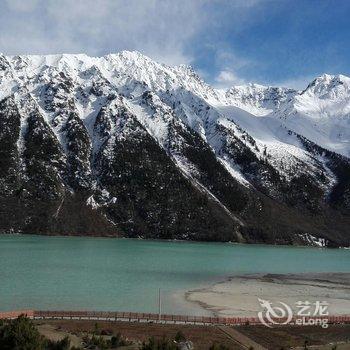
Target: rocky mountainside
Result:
[123, 146]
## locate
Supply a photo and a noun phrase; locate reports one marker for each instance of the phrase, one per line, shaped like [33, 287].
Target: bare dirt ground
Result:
[51, 332]
[201, 336]
[285, 337]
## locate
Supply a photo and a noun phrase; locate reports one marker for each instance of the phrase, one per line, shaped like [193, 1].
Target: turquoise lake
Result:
[80, 273]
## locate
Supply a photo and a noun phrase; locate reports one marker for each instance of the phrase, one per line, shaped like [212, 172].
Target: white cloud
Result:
[229, 65]
[20, 5]
[227, 78]
[226, 57]
[166, 30]
[161, 29]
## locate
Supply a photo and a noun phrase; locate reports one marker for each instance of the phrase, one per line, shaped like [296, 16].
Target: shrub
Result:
[20, 334]
[117, 341]
[180, 337]
[63, 344]
[163, 344]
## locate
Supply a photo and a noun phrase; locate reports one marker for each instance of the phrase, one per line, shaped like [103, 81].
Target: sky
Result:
[228, 42]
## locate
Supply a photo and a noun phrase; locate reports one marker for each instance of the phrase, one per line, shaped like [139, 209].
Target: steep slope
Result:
[121, 145]
[321, 113]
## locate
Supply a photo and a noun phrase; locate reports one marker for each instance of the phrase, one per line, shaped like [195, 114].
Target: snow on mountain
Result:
[123, 68]
[105, 123]
[257, 99]
[321, 113]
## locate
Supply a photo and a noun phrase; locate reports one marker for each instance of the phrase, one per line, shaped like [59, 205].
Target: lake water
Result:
[81, 273]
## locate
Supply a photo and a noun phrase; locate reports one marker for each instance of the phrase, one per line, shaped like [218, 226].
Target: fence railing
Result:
[151, 317]
[15, 314]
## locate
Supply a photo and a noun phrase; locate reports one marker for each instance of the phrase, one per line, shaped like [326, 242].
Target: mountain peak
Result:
[131, 55]
[327, 85]
[75, 129]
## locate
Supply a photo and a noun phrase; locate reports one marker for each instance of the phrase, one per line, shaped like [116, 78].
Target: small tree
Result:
[99, 342]
[163, 344]
[20, 334]
[96, 329]
[63, 344]
[180, 337]
[117, 340]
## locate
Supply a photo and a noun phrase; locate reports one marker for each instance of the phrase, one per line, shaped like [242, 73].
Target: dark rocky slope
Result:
[82, 154]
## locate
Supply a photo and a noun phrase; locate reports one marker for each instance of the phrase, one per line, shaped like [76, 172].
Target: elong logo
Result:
[308, 313]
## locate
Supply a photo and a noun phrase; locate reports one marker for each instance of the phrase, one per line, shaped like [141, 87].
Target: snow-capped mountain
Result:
[322, 113]
[122, 145]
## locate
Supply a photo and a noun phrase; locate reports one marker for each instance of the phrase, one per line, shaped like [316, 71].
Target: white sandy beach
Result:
[238, 296]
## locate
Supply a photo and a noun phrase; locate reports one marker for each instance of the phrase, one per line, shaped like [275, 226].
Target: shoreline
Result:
[237, 296]
[68, 235]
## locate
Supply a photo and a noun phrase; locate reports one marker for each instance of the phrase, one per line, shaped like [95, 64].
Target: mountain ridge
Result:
[103, 135]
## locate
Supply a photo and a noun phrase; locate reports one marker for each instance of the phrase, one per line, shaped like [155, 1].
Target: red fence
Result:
[149, 317]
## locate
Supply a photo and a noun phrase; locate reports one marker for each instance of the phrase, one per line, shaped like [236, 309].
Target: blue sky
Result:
[284, 42]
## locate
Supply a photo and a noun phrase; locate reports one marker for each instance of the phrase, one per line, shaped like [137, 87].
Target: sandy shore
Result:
[238, 296]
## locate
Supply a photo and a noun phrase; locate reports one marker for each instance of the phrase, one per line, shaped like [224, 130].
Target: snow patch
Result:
[312, 240]
[92, 203]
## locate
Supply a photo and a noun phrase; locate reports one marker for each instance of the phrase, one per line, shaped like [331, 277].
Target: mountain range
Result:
[121, 145]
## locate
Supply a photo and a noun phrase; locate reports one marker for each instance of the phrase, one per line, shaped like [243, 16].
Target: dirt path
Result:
[240, 338]
[51, 332]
